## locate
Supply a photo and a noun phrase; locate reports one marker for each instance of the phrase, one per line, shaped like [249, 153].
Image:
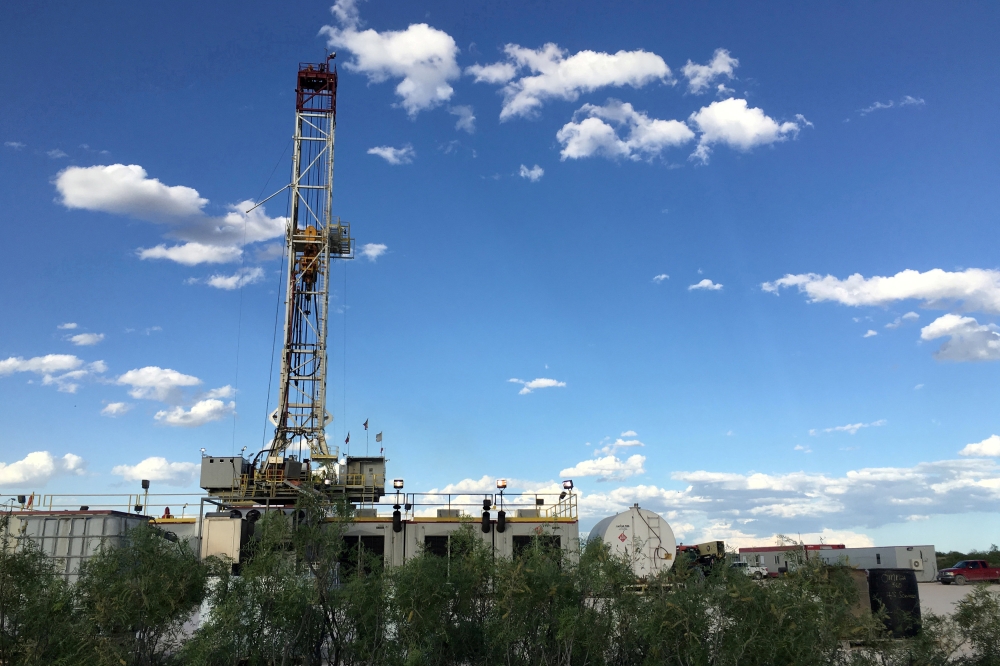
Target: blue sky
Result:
[762, 242]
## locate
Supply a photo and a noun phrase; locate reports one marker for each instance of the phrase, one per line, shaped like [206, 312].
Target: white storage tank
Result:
[642, 537]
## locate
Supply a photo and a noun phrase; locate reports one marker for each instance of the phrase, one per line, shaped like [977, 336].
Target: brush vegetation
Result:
[301, 598]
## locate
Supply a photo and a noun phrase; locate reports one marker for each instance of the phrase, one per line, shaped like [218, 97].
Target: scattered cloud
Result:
[69, 326]
[15, 145]
[202, 412]
[988, 448]
[56, 154]
[701, 77]
[851, 428]
[971, 289]
[127, 190]
[899, 321]
[551, 73]
[968, 340]
[660, 278]
[114, 409]
[907, 100]
[466, 118]
[534, 174]
[372, 251]
[422, 57]
[870, 333]
[918, 387]
[86, 339]
[541, 382]
[751, 508]
[155, 383]
[240, 278]
[157, 469]
[226, 391]
[733, 123]
[594, 131]
[394, 156]
[803, 449]
[38, 467]
[629, 433]
[705, 284]
[64, 371]
[192, 254]
[607, 468]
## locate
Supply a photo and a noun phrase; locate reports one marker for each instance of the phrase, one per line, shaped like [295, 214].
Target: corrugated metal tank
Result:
[70, 537]
[640, 536]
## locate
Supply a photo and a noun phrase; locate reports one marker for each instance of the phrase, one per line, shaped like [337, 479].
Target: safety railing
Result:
[550, 506]
[154, 505]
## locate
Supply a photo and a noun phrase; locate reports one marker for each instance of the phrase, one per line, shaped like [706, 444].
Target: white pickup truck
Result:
[753, 571]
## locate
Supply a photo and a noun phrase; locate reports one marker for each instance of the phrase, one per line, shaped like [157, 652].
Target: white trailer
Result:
[921, 559]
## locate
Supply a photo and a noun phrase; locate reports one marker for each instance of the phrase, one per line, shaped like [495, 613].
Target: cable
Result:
[274, 334]
[345, 350]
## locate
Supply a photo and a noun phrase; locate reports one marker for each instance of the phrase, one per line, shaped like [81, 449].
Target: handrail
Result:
[549, 505]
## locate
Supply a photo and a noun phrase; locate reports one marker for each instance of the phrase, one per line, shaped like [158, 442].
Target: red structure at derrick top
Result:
[317, 87]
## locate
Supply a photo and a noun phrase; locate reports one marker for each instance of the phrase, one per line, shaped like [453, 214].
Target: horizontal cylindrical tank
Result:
[640, 536]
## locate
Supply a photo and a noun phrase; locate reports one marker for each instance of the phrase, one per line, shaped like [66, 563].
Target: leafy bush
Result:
[303, 597]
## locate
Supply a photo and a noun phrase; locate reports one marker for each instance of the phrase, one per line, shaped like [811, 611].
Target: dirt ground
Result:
[941, 599]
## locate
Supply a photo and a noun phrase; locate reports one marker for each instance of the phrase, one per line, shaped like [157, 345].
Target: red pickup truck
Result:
[968, 571]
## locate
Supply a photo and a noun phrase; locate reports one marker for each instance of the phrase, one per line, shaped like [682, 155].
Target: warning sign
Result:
[622, 537]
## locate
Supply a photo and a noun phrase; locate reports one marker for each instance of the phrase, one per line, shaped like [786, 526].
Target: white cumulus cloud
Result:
[240, 278]
[551, 73]
[128, 190]
[158, 469]
[403, 155]
[86, 339]
[733, 123]
[988, 448]
[114, 409]
[38, 467]
[68, 326]
[372, 251]
[970, 289]
[705, 284]
[192, 254]
[607, 468]
[422, 57]
[64, 371]
[594, 130]
[700, 77]
[660, 278]
[466, 118]
[155, 383]
[541, 382]
[870, 333]
[534, 174]
[968, 340]
[202, 412]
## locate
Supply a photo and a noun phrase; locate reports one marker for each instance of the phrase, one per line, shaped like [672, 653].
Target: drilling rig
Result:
[314, 239]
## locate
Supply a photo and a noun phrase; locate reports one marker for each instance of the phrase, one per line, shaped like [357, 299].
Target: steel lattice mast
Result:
[314, 239]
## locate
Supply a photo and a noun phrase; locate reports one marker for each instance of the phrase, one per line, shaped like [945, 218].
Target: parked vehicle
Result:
[968, 571]
[751, 570]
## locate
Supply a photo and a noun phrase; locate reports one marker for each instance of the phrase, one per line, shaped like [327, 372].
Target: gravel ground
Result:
[941, 599]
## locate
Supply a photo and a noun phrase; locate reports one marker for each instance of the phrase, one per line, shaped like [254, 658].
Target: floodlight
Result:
[568, 484]
[397, 484]
[501, 483]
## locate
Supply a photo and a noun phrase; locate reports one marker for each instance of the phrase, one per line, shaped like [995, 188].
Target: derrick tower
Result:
[314, 239]
[298, 458]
